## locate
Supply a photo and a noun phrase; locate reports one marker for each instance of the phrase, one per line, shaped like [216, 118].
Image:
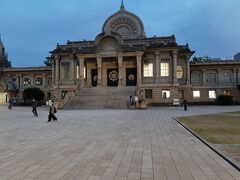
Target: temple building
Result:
[105, 71]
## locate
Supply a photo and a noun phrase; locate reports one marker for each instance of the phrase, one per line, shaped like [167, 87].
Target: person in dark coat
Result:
[34, 108]
[185, 104]
[10, 104]
[52, 111]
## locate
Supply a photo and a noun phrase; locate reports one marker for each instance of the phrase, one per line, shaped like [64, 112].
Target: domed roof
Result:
[126, 24]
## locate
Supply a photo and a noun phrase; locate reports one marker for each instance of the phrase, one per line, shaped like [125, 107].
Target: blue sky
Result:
[31, 28]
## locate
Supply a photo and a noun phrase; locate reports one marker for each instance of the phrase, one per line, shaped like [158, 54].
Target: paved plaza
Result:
[107, 145]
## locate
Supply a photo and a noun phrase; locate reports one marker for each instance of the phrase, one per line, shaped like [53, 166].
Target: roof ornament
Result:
[122, 6]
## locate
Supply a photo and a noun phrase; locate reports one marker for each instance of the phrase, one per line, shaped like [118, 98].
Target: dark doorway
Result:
[131, 76]
[112, 77]
[94, 76]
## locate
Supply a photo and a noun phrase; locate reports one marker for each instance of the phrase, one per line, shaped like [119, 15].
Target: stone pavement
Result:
[106, 145]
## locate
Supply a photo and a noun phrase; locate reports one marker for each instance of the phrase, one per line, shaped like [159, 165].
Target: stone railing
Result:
[71, 93]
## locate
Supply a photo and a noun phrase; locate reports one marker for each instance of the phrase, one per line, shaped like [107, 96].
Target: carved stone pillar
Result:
[219, 70]
[32, 80]
[235, 76]
[57, 61]
[53, 72]
[99, 67]
[72, 71]
[157, 66]
[20, 81]
[188, 72]
[174, 67]
[81, 69]
[44, 81]
[238, 76]
[139, 68]
[120, 70]
[204, 78]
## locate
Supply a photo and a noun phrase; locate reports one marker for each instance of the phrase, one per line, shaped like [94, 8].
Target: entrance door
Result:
[131, 76]
[94, 77]
[112, 77]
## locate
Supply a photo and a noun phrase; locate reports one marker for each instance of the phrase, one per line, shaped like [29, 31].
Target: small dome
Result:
[126, 24]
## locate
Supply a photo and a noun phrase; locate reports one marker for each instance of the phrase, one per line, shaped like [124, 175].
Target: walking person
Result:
[185, 104]
[52, 111]
[34, 108]
[10, 104]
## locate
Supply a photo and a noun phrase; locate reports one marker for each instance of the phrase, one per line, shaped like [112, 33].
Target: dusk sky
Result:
[32, 28]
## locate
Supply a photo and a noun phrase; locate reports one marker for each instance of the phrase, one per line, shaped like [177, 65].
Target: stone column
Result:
[20, 81]
[44, 81]
[99, 67]
[238, 76]
[204, 77]
[53, 72]
[81, 71]
[219, 76]
[57, 60]
[120, 70]
[157, 65]
[174, 67]
[17, 81]
[139, 68]
[188, 72]
[234, 76]
[72, 71]
[32, 80]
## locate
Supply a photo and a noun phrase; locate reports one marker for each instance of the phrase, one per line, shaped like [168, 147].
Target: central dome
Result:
[126, 24]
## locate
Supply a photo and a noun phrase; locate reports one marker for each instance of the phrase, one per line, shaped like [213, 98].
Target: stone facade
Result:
[15, 80]
[123, 56]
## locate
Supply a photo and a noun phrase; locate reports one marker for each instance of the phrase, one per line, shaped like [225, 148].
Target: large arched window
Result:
[179, 72]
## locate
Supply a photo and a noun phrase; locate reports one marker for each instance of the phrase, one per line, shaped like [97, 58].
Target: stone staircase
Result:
[101, 98]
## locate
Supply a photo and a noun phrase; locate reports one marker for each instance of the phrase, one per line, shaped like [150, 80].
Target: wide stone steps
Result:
[101, 98]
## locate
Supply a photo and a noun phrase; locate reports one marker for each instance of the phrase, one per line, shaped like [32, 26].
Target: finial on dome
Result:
[122, 6]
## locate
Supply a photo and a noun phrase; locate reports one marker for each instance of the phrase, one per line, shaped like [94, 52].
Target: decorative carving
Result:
[108, 44]
[126, 24]
[131, 77]
[113, 76]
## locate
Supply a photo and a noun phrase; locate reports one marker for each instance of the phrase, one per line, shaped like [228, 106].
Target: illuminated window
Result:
[165, 94]
[179, 72]
[77, 73]
[196, 94]
[227, 92]
[26, 81]
[148, 70]
[164, 69]
[84, 72]
[212, 94]
[38, 81]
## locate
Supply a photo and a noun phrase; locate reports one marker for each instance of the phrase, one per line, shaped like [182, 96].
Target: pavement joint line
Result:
[229, 160]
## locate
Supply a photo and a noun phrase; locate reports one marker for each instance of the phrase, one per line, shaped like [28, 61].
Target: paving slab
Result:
[107, 145]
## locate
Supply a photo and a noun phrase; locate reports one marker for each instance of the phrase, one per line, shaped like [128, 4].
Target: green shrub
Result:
[33, 93]
[224, 100]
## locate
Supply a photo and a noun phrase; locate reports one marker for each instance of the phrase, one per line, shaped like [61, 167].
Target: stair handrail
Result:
[71, 94]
